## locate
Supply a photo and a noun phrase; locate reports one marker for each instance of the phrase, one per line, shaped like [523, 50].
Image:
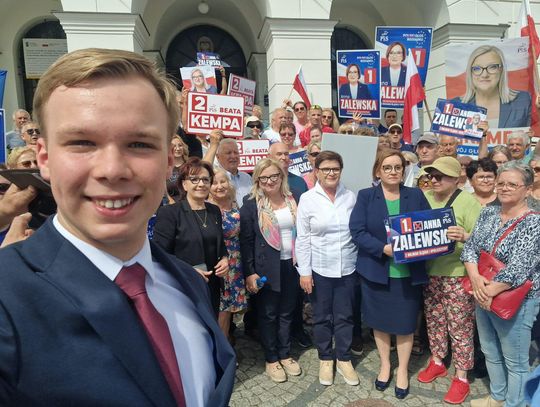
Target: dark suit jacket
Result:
[363, 91]
[385, 76]
[176, 230]
[369, 233]
[257, 256]
[69, 337]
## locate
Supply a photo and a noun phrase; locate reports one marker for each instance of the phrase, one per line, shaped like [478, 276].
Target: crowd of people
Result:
[267, 243]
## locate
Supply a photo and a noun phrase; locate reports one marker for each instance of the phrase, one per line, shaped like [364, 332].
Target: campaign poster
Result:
[421, 235]
[358, 153]
[244, 87]
[358, 76]
[458, 119]
[494, 137]
[207, 112]
[201, 79]
[3, 75]
[208, 58]
[492, 74]
[299, 163]
[251, 151]
[3, 143]
[394, 44]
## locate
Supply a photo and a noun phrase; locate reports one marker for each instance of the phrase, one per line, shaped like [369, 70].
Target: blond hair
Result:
[16, 154]
[81, 66]
[256, 191]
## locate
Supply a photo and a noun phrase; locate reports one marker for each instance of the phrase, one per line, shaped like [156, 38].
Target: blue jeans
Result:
[505, 343]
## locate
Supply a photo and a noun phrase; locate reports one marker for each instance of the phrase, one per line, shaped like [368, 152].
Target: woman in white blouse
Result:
[326, 259]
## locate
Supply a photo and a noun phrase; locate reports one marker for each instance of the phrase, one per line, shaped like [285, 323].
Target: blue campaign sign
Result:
[3, 75]
[421, 235]
[358, 79]
[457, 119]
[3, 152]
[208, 58]
[394, 44]
[299, 163]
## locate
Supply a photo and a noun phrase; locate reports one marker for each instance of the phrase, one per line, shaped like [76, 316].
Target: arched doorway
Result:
[47, 30]
[184, 47]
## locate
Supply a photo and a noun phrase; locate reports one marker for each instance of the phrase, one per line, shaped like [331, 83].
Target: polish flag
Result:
[528, 29]
[299, 85]
[414, 94]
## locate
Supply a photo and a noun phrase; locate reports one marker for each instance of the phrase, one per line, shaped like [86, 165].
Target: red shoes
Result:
[458, 391]
[431, 372]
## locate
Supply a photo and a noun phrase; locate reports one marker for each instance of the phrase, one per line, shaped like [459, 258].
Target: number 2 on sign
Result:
[199, 103]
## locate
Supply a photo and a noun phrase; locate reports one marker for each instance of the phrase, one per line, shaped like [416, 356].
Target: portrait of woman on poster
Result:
[487, 86]
[353, 89]
[394, 74]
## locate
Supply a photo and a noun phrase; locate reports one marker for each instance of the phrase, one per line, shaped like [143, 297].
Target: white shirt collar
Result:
[105, 262]
[321, 191]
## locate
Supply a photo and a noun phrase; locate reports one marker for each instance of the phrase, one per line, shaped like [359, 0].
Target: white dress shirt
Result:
[192, 343]
[242, 183]
[323, 239]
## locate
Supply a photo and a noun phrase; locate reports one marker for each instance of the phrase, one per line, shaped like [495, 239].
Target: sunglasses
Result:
[314, 154]
[436, 177]
[254, 126]
[4, 187]
[299, 109]
[31, 132]
[28, 163]
[326, 117]
[315, 107]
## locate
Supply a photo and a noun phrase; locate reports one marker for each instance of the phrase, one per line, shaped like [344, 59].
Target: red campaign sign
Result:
[240, 86]
[207, 112]
[251, 151]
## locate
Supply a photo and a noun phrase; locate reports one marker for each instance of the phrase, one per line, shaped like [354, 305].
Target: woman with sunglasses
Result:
[448, 309]
[267, 240]
[22, 158]
[505, 342]
[192, 228]
[487, 86]
[391, 293]
[329, 119]
[313, 149]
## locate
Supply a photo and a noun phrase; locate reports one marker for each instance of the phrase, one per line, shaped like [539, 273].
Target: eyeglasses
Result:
[287, 134]
[485, 178]
[4, 187]
[197, 180]
[314, 154]
[254, 126]
[28, 163]
[396, 53]
[387, 169]
[264, 179]
[508, 185]
[326, 117]
[491, 69]
[327, 171]
[395, 132]
[436, 177]
[30, 132]
[299, 109]
[197, 77]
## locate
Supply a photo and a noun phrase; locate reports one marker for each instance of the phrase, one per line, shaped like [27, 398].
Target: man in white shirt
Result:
[13, 138]
[279, 116]
[113, 319]
[228, 157]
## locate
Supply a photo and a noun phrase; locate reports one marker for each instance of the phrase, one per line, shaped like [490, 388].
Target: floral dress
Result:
[233, 295]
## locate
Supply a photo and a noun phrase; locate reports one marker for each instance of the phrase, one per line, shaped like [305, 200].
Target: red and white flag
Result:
[299, 85]
[414, 94]
[528, 29]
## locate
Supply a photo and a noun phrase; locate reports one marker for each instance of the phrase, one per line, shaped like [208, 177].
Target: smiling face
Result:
[331, 180]
[353, 76]
[107, 157]
[177, 148]
[270, 180]
[486, 82]
[395, 56]
[197, 185]
[300, 111]
[221, 187]
[483, 182]
[327, 118]
[287, 137]
[517, 148]
[197, 78]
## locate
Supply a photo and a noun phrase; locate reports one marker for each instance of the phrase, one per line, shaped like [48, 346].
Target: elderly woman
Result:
[391, 293]
[22, 158]
[505, 343]
[500, 154]
[329, 119]
[233, 294]
[267, 240]
[394, 74]
[313, 149]
[191, 229]
[449, 310]
[487, 86]
[326, 263]
[180, 155]
[482, 175]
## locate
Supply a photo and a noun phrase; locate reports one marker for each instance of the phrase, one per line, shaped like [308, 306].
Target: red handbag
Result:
[505, 304]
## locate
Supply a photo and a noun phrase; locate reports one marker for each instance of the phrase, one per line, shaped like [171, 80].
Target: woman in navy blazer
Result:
[391, 294]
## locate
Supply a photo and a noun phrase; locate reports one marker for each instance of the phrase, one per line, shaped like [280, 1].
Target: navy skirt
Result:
[391, 308]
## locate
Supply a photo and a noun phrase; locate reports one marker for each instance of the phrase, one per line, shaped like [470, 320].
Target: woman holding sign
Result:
[391, 293]
[487, 86]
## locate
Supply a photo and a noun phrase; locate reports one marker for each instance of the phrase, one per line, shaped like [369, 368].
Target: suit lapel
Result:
[193, 226]
[381, 201]
[403, 200]
[504, 114]
[104, 306]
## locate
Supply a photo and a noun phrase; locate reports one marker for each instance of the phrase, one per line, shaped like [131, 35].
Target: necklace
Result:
[203, 223]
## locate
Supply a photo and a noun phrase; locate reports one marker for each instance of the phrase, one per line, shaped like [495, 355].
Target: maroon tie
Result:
[131, 281]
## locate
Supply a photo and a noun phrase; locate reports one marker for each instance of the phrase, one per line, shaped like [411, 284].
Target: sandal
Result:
[417, 348]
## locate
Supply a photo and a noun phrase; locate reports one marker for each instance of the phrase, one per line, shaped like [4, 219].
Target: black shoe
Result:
[382, 386]
[357, 347]
[401, 393]
[302, 339]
